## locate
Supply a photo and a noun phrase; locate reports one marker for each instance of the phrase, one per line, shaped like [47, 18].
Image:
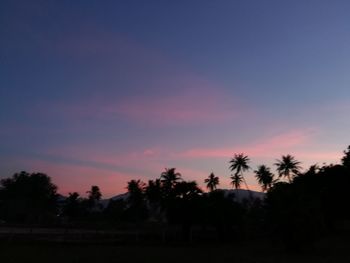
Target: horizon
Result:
[207, 192]
[100, 94]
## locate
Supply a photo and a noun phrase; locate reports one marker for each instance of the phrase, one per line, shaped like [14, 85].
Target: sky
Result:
[103, 92]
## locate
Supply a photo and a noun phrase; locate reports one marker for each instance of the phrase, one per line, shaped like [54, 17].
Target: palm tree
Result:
[288, 167]
[170, 178]
[264, 177]
[154, 194]
[187, 190]
[136, 209]
[236, 180]
[239, 164]
[94, 197]
[212, 181]
[136, 189]
[153, 191]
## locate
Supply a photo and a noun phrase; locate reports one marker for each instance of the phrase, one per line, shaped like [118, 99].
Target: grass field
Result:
[332, 250]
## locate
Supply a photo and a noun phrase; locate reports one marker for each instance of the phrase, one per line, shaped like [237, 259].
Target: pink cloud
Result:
[188, 107]
[106, 168]
[320, 157]
[70, 178]
[189, 98]
[152, 161]
[96, 155]
[195, 102]
[265, 148]
[299, 143]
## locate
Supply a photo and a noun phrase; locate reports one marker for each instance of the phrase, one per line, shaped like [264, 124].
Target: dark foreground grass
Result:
[332, 250]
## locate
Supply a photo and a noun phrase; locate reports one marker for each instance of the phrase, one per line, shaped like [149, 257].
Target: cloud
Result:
[300, 143]
[126, 80]
[104, 157]
[77, 168]
[191, 106]
[320, 157]
[80, 178]
[265, 148]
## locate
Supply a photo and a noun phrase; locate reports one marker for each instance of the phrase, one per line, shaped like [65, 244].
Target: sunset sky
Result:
[102, 92]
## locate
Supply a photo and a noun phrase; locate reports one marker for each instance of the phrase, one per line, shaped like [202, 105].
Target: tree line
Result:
[298, 207]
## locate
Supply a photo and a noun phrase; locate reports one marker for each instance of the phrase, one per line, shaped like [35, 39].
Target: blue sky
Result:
[101, 92]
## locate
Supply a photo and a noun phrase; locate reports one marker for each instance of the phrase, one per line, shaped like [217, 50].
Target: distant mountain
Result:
[124, 197]
[120, 197]
[242, 194]
[237, 194]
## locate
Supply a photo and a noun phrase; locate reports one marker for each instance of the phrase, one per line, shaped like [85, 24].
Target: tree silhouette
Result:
[94, 193]
[264, 177]
[169, 178]
[223, 213]
[212, 181]
[239, 164]
[184, 207]
[72, 207]
[28, 198]
[187, 190]
[297, 213]
[136, 190]
[288, 167]
[115, 210]
[155, 196]
[236, 180]
[94, 196]
[153, 191]
[313, 170]
[136, 210]
[346, 158]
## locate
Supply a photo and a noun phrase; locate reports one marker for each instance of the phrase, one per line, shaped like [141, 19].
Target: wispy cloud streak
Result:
[265, 148]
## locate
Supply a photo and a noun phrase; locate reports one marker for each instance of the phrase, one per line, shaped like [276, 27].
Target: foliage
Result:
[136, 209]
[212, 182]
[93, 200]
[28, 198]
[236, 180]
[94, 193]
[72, 207]
[264, 176]
[169, 178]
[310, 205]
[288, 167]
[346, 158]
[239, 164]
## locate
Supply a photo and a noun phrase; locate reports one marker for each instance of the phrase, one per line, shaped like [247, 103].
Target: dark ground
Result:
[332, 250]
